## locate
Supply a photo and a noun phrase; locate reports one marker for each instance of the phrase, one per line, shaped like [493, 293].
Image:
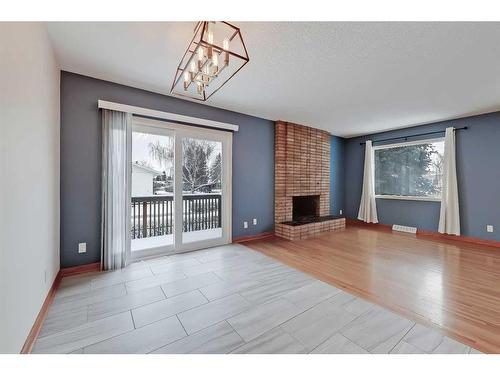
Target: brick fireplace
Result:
[302, 182]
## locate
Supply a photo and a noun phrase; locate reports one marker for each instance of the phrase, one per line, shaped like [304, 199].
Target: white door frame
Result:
[180, 131]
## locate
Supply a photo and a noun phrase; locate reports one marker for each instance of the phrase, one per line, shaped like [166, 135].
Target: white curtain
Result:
[449, 218]
[115, 220]
[368, 206]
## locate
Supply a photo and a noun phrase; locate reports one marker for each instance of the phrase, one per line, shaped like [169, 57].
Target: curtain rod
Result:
[165, 115]
[413, 135]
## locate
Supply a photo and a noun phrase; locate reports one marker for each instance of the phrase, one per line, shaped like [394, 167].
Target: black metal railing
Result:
[154, 215]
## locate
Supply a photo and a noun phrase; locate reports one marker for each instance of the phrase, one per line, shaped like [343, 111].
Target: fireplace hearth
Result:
[311, 219]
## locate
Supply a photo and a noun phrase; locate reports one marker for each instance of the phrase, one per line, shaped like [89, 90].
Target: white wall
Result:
[29, 177]
[142, 183]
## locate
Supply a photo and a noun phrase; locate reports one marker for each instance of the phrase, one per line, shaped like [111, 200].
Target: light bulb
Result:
[215, 64]
[210, 40]
[225, 45]
[210, 33]
[187, 78]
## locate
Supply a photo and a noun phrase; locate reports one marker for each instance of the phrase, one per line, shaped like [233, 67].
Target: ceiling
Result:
[347, 78]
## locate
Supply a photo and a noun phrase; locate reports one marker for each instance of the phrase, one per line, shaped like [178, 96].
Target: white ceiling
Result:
[347, 78]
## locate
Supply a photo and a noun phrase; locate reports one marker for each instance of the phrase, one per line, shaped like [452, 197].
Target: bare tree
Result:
[161, 153]
[195, 157]
[196, 154]
[216, 170]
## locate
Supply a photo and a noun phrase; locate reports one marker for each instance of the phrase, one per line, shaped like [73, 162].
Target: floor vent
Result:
[402, 228]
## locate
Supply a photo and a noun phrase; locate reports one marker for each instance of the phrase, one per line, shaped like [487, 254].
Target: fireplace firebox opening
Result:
[305, 207]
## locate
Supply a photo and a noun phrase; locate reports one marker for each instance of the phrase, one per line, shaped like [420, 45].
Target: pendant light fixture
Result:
[216, 53]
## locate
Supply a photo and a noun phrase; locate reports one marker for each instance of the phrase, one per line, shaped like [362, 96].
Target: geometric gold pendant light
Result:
[216, 53]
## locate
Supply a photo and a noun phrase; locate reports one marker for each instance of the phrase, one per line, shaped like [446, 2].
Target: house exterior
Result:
[142, 180]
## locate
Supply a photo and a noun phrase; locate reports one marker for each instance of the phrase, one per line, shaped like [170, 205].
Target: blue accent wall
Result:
[337, 176]
[478, 161]
[253, 161]
[478, 170]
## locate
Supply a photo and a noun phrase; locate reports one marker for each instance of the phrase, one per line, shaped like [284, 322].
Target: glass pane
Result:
[152, 205]
[414, 170]
[201, 190]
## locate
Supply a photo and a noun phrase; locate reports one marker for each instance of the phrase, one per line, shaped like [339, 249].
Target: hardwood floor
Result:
[443, 284]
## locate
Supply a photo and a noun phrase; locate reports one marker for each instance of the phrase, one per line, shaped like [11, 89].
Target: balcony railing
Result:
[154, 215]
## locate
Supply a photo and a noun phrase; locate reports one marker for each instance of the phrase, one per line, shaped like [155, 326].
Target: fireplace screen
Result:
[305, 207]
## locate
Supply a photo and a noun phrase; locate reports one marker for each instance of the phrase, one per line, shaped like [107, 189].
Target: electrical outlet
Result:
[254, 221]
[82, 247]
[340, 212]
[245, 224]
[489, 228]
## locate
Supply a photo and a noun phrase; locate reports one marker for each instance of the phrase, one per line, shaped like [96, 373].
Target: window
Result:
[410, 170]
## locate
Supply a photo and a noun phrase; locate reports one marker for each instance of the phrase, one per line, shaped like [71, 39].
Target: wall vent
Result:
[402, 228]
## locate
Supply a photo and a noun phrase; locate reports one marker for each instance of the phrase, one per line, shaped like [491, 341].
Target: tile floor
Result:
[228, 299]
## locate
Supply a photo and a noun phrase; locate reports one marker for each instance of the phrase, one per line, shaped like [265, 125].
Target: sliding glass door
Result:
[180, 188]
[152, 190]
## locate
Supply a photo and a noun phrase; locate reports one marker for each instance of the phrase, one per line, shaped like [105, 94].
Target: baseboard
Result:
[259, 236]
[377, 226]
[92, 267]
[431, 234]
[466, 239]
[37, 326]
